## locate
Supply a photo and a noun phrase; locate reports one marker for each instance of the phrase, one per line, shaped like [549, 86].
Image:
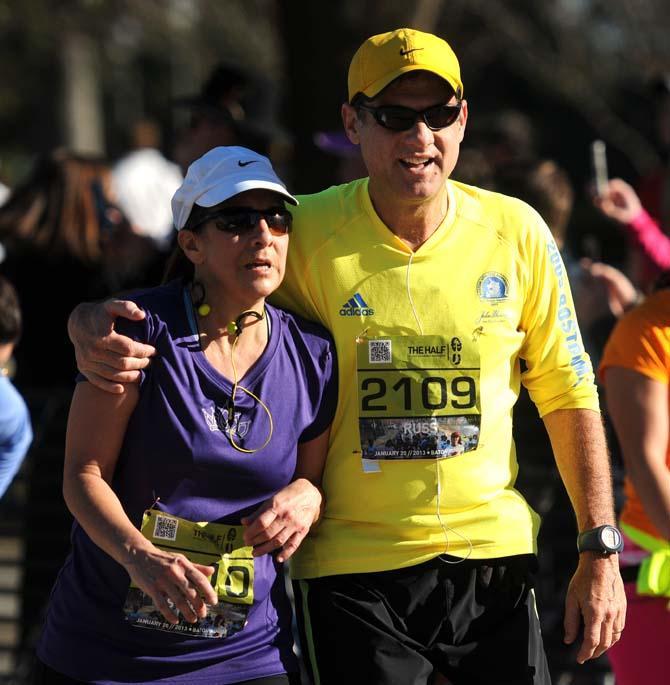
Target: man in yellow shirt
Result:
[434, 292]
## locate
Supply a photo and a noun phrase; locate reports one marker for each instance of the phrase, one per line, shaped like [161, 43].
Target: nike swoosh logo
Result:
[241, 163]
[406, 52]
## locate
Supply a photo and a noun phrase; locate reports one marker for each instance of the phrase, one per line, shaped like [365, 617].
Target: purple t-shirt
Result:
[174, 449]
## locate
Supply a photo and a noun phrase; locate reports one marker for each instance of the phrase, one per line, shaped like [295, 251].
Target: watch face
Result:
[610, 537]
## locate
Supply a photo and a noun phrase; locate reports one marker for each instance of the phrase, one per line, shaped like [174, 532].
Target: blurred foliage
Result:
[595, 57]
[146, 53]
[577, 68]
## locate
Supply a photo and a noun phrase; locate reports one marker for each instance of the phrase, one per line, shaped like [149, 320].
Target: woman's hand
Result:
[165, 576]
[95, 433]
[282, 522]
[619, 201]
[621, 293]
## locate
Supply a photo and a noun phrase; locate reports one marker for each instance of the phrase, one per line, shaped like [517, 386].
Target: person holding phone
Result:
[620, 202]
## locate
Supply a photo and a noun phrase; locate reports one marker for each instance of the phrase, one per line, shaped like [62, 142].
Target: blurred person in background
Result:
[495, 142]
[654, 189]
[4, 193]
[635, 371]
[144, 183]
[233, 107]
[349, 163]
[15, 427]
[505, 137]
[621, 203]
[601, 292]
[645, 211]
[212, 115]
[64, 236]
[474, 169]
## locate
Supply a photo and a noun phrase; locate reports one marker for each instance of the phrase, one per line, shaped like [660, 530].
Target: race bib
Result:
[418, 397]
[210, 544]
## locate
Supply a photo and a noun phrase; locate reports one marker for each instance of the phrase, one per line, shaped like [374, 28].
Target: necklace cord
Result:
[239, 327]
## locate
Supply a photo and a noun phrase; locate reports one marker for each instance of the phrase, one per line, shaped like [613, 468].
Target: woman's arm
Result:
[96, 428]
[284, 520]
[638, 406]
[621, 203]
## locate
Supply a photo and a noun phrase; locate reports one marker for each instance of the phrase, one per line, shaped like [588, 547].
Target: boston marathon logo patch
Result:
[492, 287]
[356, 306]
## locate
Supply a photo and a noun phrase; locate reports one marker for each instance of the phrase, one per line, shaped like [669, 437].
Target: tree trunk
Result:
[82, 100]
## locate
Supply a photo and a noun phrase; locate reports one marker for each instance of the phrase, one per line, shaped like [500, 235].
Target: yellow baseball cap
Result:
[384, 57]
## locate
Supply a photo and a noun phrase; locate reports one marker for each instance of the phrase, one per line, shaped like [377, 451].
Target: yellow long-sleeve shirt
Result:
[490, 277]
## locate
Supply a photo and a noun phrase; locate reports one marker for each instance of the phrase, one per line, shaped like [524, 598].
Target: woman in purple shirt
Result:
[191, 489]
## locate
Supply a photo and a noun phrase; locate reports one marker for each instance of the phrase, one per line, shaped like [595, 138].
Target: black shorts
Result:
[475, 622]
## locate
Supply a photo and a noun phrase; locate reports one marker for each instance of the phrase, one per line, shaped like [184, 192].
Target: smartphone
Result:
[599, 163]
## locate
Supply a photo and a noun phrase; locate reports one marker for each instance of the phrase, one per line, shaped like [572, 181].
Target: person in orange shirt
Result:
[636, 373]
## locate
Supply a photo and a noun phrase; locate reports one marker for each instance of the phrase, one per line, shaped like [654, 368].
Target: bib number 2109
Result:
[429, 392]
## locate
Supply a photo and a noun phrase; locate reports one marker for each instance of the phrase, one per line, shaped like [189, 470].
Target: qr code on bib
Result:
[379, 351]
[165, 528]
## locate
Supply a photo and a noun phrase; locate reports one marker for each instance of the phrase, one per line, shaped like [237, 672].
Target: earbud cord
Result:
[443, 525]
[409, 295]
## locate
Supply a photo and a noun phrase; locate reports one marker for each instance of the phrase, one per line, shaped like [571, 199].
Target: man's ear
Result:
[191, 245]
[351, 123]
[462, 119]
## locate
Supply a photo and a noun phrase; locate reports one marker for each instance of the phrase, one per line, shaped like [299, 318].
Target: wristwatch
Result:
[604, 539]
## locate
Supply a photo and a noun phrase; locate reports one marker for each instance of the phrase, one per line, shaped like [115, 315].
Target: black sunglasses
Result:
[399, 118]
[241, 220]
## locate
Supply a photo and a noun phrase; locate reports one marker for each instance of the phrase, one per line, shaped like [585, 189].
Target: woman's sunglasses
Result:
[241, 220]
[399, 118]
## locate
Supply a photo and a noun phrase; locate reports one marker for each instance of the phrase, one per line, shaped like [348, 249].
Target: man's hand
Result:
[282, 522]
[596, 595]
[106, 358]
[619, 202]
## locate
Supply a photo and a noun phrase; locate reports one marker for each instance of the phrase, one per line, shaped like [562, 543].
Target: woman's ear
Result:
[191, 245]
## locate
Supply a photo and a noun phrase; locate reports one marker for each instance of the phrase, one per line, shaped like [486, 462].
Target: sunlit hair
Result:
[55, 210]
[178, 264]
[10, 313]
[544, 186]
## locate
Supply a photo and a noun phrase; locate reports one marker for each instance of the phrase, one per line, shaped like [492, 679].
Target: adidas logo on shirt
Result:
[356, 306]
